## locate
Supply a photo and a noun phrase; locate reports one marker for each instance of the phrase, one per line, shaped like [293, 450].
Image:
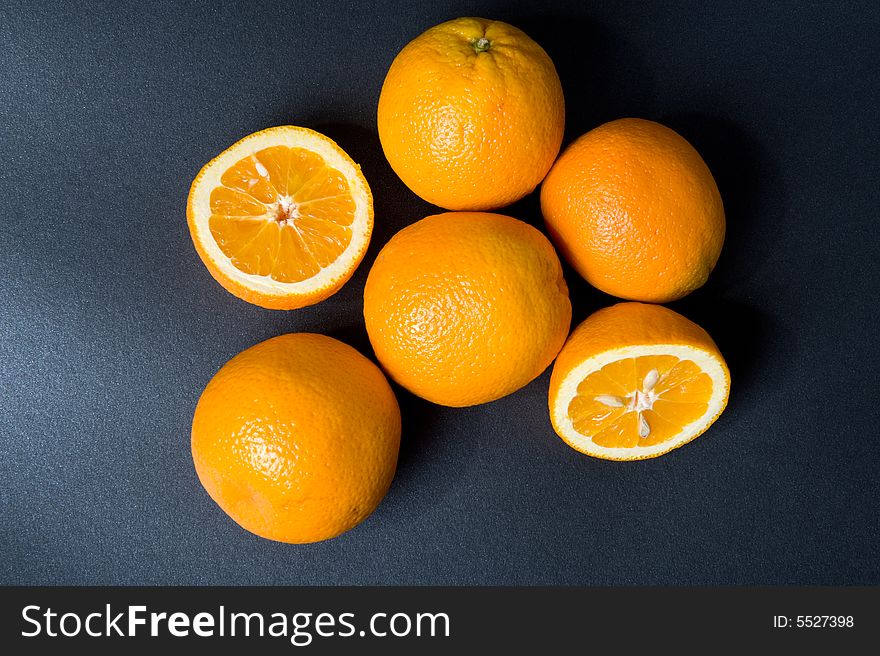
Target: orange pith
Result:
[282, 213]
[682, 396]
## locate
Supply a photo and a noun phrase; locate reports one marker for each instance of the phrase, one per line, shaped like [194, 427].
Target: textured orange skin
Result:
[467, 130]
[635, 210]
[296, 438]
[463, 308]
[628, 324]
[245, 293]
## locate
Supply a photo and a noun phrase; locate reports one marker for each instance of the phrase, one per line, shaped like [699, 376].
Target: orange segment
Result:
[681, 373]
[662, 363]
[246, 243]
[273, 164]
[589, 416]
[600, 383]
[622, 372]
[338, 209]
[685, 391]
[243, 176]
[296, 262]
[324, 239]
[282, 218]
[231, 202]
[321, 185]
[681, 413]
[662, 429]
[302, 166]
[622, 432]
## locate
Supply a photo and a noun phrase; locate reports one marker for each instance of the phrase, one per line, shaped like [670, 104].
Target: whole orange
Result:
[466, 307]
[635, 210]
[296, 438]
[471, 114]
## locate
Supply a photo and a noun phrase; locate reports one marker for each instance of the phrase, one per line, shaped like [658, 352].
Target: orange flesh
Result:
[682, 396]
[282, 213]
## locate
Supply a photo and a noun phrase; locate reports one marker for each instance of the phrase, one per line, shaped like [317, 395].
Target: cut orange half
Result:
[635, 381]
[282, 218]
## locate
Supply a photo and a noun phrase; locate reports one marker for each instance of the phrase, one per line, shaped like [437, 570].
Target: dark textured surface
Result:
[111, 326]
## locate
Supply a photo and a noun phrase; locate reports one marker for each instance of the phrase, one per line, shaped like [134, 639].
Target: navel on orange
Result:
[281, 218]
[635, 381]
[471, 114]
[296, 438]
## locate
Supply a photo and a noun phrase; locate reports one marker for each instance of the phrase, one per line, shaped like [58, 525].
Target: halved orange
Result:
[281, 218]
[635, 381]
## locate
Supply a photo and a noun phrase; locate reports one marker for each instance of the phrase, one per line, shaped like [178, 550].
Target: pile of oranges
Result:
[297, 437]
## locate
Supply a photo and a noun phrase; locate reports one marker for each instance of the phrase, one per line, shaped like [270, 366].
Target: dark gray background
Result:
[111, 326]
